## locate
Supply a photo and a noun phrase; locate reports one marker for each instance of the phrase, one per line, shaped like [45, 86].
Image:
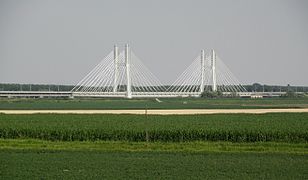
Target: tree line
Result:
[35, 87]
[255, 87]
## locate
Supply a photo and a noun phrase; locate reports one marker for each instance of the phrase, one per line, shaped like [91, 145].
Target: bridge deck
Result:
[42, 94]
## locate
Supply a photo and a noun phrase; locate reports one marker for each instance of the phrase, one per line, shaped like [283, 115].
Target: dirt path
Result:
[159, 112]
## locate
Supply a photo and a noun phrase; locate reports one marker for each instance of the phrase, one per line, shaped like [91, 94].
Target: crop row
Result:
[283, 127]
[154, 135]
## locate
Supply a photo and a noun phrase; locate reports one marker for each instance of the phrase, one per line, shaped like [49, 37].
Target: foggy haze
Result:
[59, 42]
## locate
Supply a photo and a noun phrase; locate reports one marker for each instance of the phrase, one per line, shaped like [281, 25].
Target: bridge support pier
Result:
[214, 86]
[115, 58]
[127, 64]
[202, 72]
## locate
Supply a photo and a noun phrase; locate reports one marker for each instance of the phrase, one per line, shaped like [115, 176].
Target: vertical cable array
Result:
[213, 76]
[119, 73]
[124, 74]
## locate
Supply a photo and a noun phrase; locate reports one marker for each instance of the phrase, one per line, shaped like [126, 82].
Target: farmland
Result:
[96, 146]
[39, 159]
[164, 103]
[285, 127]
[150, 165]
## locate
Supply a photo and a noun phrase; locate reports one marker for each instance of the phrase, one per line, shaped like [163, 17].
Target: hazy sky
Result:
[60, 41]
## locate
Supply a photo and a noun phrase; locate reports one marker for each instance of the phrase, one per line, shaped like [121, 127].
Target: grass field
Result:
[38, 159]
[16, 164]
[171, 147]
[172, 103]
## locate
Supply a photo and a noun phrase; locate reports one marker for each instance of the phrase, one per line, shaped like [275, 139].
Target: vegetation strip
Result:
[159, 112]
[43, 164]
[142, 104]
[193, 147]
[274, 127]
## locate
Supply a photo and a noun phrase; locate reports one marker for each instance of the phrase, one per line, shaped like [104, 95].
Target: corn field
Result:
[280, 127]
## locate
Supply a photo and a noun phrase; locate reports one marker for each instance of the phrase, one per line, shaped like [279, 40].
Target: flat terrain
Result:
[278, 127]
[170, 147]
[160, 112]
[34, 164]
[75, 139]
[161, 103]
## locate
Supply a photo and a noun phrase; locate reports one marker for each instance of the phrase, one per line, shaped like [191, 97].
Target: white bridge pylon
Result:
[124, 75]
[119, 75]
[207, 73]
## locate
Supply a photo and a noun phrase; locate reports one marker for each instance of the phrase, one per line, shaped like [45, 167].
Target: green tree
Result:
[211, 94]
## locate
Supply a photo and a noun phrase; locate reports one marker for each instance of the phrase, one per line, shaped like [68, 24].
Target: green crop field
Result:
[150, 165]
[286, 127]
[218, 146]
[165, 103]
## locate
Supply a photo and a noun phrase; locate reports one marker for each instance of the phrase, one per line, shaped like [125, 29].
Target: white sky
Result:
[60, 41]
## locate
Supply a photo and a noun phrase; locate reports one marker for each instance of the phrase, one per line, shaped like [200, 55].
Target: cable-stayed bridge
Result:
[122, 74]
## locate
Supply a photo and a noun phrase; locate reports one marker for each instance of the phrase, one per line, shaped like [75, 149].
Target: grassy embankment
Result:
[172, 103]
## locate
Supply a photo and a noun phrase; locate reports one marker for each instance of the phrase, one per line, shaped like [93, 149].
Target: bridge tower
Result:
[202, 72]
[116, 62]
[214, 86]
[127, 64]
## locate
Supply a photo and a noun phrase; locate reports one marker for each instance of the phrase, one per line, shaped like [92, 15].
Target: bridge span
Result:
[69, 94]
[123, 75]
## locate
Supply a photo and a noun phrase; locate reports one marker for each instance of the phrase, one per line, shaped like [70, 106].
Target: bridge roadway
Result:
[35, 94]
[68, 94]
